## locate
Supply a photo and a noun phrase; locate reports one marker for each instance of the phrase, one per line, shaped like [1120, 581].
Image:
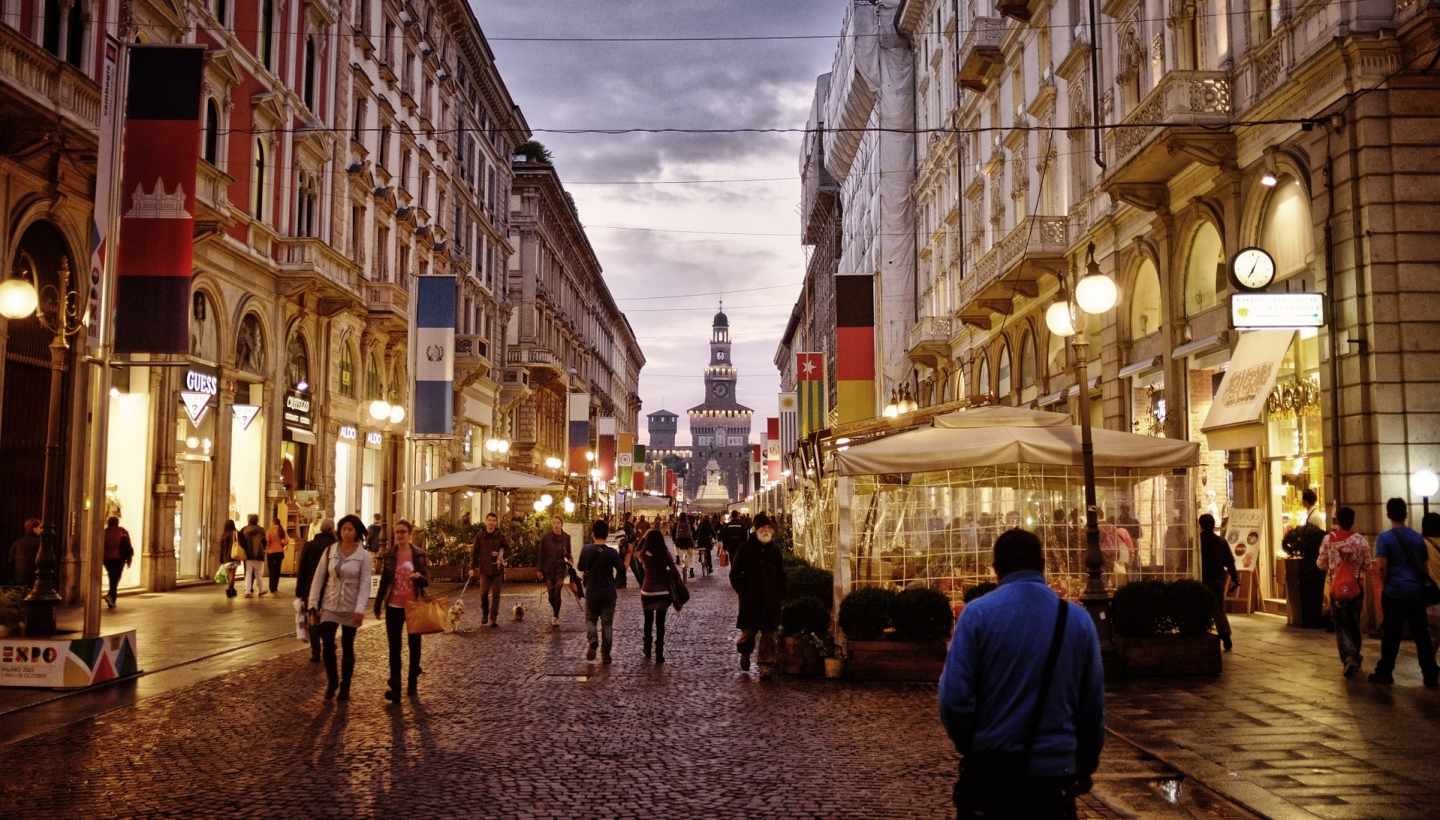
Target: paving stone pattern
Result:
[514, 723]
[1283, 732]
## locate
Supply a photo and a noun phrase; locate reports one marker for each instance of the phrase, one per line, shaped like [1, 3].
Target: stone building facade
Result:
[719, 426]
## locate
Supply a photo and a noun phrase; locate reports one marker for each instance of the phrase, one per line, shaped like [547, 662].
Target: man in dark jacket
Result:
[118, 554]
[375, 534]
[310, 559]
[601, 565]
[23, 554]
[487, 567]
[732, 535]
[553, 562]
[1216, 562]
[757, 573]
[252, 539]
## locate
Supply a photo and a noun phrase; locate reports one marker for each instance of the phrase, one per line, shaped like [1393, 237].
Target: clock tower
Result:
[720, 426]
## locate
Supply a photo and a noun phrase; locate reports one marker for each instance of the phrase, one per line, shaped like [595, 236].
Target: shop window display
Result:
[1296, 452]
[126, 486]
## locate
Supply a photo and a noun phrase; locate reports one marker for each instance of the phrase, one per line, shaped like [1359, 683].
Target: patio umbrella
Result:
[485, 478]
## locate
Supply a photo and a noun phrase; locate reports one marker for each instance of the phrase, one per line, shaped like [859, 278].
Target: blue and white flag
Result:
[435, 356]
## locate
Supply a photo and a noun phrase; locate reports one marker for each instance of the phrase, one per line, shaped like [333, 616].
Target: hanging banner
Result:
[625, 460]
[435, 356]
[855, 347]
[638, 485]
[578, 433]
[605, 429]
[772, 448]
[789, 420]
[157, 200]
[105, 161]
[810, 392]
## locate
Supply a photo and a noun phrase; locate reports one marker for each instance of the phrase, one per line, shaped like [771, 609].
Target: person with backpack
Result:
[119, 552]
[705, 542]
[1216, 562]
[1400, 558]
[661, 576]
[339, 591]
[1345, 556]
[684, 536]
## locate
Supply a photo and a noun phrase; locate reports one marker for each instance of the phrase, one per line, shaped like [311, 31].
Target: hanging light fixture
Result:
[892, 408]
[1060, 318]
[380, 410]
[1095, 293]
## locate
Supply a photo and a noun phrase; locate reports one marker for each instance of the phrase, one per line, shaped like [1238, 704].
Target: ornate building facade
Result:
[719, 427]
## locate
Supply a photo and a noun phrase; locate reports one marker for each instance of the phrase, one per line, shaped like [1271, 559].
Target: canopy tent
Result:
[991, 436]
[485, 478]
[649, 502]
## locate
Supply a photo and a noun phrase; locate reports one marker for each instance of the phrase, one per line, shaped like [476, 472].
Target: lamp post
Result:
[1095, 294]
[1425, 484]
[20, 298]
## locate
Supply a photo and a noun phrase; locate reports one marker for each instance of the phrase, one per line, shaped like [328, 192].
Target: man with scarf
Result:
[758, 575]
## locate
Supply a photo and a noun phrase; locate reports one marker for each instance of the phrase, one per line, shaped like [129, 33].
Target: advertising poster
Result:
[67, 664]
[1245, 532]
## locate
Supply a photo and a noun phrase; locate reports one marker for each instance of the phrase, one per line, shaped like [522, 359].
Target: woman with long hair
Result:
[275, 539]
[402, 579]
[660, 573]
[229, 539]
[340, 592]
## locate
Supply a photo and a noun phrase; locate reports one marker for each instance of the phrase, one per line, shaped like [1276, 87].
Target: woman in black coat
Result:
[758, 575]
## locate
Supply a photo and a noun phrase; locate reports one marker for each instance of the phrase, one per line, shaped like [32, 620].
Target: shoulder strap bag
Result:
[325, 561]
[991, 782]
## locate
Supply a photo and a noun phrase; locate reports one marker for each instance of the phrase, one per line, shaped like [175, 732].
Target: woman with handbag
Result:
[403, 579]
[655, 591]
[340, 594]
[1345, 556]
[231, 554]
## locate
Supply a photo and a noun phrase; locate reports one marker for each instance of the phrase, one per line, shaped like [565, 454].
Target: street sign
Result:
[1249, 311]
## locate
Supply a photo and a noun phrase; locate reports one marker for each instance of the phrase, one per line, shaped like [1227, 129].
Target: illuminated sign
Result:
[1277, 310]
[245, 413]
[348, 433]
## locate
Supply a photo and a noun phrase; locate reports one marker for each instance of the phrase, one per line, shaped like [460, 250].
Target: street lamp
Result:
[1095, 293]
[380, 410]
[397, 413]
[553, 463]
[20, 299]
[1425, 484]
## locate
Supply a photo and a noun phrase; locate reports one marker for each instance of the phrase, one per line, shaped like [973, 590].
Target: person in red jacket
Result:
[119, 552]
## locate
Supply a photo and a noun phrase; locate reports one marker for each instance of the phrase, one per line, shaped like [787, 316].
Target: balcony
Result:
[389, 306]
[929, 341]
[542, 363]
[1012, 268]
[47, 89]
[980, 52]
[1175, 125]
[212, 198]
[1021, 10]
[310, 267]
[472, 358]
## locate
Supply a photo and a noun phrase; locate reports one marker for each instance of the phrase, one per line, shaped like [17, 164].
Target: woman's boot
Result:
[392, 694]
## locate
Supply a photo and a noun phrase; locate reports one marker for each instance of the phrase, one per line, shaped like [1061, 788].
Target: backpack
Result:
[1345, 583]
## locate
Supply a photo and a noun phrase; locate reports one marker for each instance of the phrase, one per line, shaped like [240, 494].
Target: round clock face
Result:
[1253, 269]
[721, 390]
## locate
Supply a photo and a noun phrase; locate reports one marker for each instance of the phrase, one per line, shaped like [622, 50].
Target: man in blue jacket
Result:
[1024, 756]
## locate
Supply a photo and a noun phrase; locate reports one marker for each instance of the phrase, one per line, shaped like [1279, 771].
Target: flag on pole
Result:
[639, 478]
[579, 433]
[435, 356]
[855, 347]
[757, 456]
[157, 200]
[772, 448]
[789, 420]
[625, 460]
[810, 392]
[605, 429]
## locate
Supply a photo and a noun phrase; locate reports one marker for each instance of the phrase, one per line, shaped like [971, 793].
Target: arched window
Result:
[347, 370]
[1002, 374]
[212, 132]
[297, 363]
[982, 378]
[373, 389]
[1204, 270]
[1055, 355]
[1286, 231]
[309, 87]
[1145, 302]
[1026, 368]
[257, 185]
[250, 345]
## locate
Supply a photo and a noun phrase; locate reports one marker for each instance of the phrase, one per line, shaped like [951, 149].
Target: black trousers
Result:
[1399, 613]
[347, 646]
[394, 628]
[1032, 798]
[113, 568]
[1222, 621]
[655, 620]
[273, 560]
[490, 597]
[554, 586]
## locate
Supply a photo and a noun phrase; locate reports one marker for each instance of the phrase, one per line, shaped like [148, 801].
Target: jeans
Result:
[252, 575]
[1398, 613]
[347, 646]
[273, 560]
[1222, 620]
[394, 627]
[656, 618]
[1346, 615]
[113, 568]
[490, 597]
[554, 587]
[602, 615]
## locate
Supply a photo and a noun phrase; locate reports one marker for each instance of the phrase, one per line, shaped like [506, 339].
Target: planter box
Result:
[800, 658]
[1169, 655]
[520, 575]
[895, 660]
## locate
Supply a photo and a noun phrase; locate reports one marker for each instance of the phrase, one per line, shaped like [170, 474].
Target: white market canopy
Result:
[994, 435]
[482, 478]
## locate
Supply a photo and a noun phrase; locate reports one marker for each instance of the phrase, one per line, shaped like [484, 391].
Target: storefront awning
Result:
[301, 435]
[1075, 389]
[1143, 366]
[1236, 419]
[1205, 345]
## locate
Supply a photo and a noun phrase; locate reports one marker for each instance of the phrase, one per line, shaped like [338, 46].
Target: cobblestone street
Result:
[513, 722]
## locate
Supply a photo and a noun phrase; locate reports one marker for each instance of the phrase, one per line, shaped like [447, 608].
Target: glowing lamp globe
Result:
[1425, 483]
[18, 299]
[397, 414]
[1096, 293]
[380, 410]
[1060, 318]
[539, 505]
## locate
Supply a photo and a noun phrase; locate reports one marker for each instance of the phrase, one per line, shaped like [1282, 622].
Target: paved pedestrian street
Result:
[513, 722]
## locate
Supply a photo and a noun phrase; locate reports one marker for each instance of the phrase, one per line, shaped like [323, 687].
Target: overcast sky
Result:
[748, 84]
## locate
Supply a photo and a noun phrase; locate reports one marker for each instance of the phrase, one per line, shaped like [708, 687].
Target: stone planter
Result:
[895, 660]
[521, 575]
[1169, 655]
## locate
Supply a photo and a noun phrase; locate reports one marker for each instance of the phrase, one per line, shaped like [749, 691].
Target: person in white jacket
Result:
[338, 597]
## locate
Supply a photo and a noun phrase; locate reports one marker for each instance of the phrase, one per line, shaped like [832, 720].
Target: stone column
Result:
[158, 553]
[220, 466]
[273, 401]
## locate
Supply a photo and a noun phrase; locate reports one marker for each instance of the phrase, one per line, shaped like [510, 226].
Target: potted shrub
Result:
[522, 546]
[11, 610]
[1164, 629]
[805, 636]
[805, 581]
[895, 637]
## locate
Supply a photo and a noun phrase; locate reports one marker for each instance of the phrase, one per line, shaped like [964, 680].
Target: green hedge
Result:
[1143, 609]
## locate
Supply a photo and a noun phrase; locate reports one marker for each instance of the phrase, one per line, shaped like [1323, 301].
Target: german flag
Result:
[855, 347]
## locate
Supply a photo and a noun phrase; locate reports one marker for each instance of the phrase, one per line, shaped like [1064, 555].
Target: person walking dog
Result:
[487, 565]
[553, 564]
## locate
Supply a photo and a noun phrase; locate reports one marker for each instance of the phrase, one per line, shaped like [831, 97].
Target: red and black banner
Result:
[157, 199]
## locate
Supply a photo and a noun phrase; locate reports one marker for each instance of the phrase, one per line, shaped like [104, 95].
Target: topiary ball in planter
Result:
[1190, 607]
[805, 614]
[922, 614]
[866, 613]
[979, 589]
[1140, 609]
[803, 581]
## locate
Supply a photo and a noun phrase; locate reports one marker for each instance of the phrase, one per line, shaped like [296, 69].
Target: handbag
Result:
[991, 781]
[237, 552]
[679, 592]
[426, 615]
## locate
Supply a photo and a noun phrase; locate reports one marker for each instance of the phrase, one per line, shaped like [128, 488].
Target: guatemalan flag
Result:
[578, 433]
[435, 356]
